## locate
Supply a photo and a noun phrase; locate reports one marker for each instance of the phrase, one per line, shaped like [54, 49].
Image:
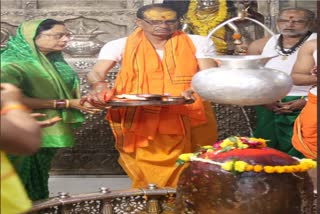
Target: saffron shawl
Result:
[43, 77]
[143, 72]
[304, 138]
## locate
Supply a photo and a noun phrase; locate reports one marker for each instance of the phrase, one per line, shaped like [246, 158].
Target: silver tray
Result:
[150, 100]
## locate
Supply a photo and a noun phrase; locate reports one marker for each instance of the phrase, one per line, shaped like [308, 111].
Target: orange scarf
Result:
[143, 72]
[304, 138]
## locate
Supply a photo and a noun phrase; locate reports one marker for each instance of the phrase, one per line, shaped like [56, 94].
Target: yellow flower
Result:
[257, 168]
[228, 166]
[242, 146]
[206, 147]
[309, 162]
[303, 168]
[185, 157]
[269, 169]
[287, 169]
[240, 166]
[226, 143]
[262, 141]
[249, 168]
[290, 169]
[279, 169]
[294, 168]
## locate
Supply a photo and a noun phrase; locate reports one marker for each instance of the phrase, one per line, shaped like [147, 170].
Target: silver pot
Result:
[241, 80]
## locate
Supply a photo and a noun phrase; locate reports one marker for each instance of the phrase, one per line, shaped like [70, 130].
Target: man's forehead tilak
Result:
[156, 14]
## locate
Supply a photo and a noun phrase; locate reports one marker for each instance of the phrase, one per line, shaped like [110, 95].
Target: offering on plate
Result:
[240, 175]
[147, 99]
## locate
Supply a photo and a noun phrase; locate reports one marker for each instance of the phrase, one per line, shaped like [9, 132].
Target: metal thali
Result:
[124, 100]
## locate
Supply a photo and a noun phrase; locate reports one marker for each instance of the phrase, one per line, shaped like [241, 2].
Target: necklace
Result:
[288, 51]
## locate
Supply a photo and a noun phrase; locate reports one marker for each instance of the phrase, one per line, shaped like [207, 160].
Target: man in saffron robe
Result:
[155, 59]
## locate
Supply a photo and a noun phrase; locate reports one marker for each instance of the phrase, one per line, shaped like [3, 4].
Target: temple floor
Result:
[74, 184]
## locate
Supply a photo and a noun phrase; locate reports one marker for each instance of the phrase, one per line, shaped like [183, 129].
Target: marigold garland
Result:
[239, 166]
[203, 26]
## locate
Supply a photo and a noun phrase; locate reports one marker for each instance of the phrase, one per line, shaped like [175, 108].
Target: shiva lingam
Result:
[240, 175]
[241, 80]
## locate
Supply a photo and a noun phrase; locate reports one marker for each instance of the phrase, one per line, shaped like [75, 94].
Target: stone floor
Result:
[86, 184]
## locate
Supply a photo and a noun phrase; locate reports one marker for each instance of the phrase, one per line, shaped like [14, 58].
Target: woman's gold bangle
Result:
[67, 103]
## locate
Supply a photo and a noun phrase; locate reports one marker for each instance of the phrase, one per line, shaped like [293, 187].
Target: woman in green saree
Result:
[32, 61]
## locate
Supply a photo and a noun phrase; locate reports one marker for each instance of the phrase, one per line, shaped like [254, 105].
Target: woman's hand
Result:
[86, 107]
[99, 95]
[47, 122]
[10, 95]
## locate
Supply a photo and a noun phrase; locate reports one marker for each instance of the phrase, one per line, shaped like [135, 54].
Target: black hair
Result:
[47, 25]
[143, 9]
[181, 6]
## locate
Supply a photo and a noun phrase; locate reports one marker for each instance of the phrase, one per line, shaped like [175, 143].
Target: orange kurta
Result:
[304, 137]
[150, 138]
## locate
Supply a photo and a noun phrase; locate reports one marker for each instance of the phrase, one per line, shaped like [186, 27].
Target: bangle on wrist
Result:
[8, 108]
[67, 103]
[60, 104]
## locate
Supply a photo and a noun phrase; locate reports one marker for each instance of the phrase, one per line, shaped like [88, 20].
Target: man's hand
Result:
[85, 107]
[293, 105]
[241, 49]
[188, 94]
[314, 71]
[274, 107]
[99, 95]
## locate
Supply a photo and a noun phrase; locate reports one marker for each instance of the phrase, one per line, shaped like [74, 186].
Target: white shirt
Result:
[113, 50]
[286, 65]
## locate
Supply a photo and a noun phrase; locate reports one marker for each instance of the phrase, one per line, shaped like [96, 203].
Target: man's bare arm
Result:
[205, 63]
[100, 70]
[301, 72]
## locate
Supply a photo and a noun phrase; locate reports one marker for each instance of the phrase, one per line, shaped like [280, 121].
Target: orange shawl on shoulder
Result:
[143, 72]
[304, 138]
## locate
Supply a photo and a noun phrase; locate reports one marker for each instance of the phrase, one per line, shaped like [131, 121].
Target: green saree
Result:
[42, 77]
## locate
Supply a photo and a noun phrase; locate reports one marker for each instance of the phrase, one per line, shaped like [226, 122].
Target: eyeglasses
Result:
[160, 22]
[287, 21]
[59, 36]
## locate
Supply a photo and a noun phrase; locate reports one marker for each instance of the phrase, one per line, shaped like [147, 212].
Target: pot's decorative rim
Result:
[223, 58]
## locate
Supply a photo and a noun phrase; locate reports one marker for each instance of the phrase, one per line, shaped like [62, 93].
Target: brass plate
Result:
[150, 100]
